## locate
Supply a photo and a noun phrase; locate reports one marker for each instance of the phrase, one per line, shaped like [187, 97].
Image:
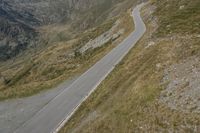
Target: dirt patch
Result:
[183, 89]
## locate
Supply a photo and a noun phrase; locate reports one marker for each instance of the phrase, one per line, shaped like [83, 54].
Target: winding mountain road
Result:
[56, 113]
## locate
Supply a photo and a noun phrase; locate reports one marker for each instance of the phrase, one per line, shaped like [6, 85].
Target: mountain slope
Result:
[53, 54]
[50, 11]
[15, 34]
[23, 18]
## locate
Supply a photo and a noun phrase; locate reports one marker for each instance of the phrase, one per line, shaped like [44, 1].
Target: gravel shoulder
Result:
[15, 112]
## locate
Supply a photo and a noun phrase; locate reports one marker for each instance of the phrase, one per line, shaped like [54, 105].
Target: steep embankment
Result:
[156, 87]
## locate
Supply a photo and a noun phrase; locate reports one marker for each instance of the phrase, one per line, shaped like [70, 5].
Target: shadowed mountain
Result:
[16, 31]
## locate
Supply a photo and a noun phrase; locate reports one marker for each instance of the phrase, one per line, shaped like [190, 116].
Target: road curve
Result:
[53, 116]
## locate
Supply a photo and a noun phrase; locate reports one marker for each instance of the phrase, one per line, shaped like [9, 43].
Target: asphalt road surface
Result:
[53, 116]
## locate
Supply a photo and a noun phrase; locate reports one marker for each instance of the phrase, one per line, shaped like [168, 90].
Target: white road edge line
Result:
[62, 123]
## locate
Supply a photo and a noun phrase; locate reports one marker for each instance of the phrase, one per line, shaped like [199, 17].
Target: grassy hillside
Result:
[130, 99]
[55, 57]
[178, 16]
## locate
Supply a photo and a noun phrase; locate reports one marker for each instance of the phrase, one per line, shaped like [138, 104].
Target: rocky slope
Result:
[51, 11]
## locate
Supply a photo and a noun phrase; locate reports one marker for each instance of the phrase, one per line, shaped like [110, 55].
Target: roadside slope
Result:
[130, 99]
